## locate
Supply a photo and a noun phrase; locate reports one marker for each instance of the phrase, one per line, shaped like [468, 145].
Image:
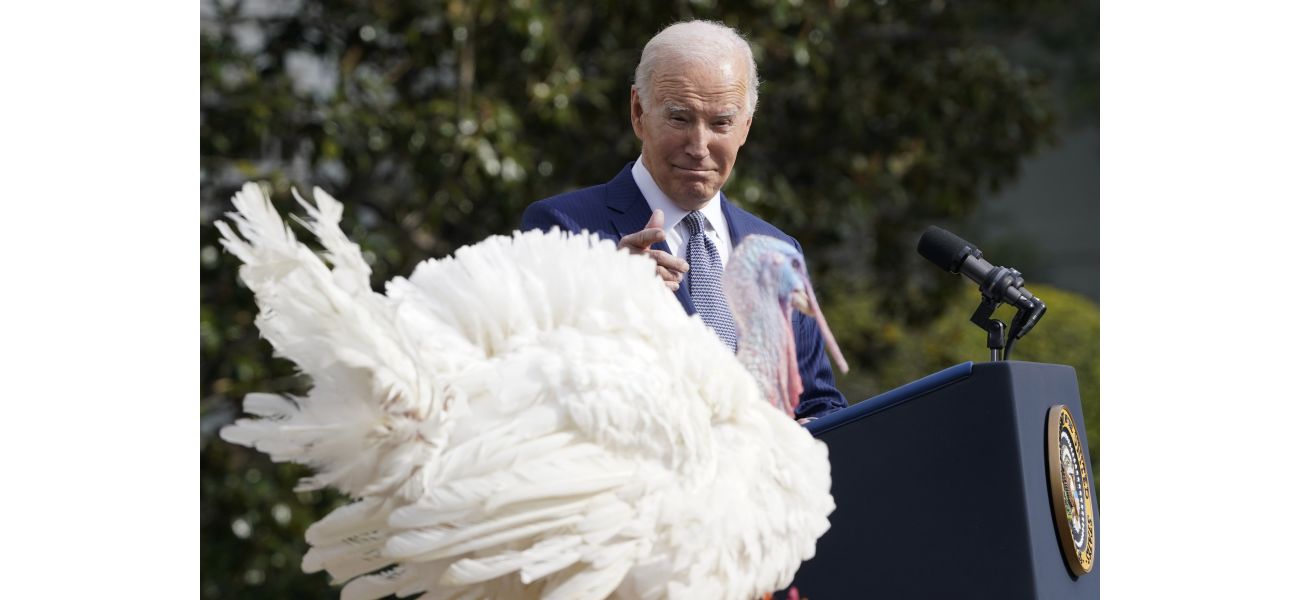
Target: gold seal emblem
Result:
[1071, 490]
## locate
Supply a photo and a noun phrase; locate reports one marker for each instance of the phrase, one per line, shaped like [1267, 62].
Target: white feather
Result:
[533, 417]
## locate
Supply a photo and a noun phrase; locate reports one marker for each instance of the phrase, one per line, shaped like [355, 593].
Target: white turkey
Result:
[534, 417]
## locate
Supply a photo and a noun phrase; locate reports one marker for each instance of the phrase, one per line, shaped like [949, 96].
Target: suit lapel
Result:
[735, 228]
[629, 212]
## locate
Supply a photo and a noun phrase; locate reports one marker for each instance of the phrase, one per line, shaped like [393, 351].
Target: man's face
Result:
[696, 122]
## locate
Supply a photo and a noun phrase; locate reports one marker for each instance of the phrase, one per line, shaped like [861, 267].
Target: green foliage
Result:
[252, 526]
[438, 122]
[1069, 334]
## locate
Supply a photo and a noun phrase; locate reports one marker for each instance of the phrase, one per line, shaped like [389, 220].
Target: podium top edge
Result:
[895, 396]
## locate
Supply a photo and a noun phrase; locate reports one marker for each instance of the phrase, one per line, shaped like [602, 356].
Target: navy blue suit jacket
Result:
[617, 208]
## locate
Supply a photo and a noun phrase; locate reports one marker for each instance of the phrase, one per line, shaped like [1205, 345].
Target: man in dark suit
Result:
[693, 101]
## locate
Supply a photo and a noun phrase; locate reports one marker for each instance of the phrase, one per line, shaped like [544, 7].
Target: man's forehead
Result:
[684, 94]
[717, 77]
[715, 87]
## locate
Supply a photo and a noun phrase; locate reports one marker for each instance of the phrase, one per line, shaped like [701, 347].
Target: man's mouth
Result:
[694, 174]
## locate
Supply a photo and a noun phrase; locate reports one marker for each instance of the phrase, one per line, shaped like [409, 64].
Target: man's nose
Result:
[697, 142]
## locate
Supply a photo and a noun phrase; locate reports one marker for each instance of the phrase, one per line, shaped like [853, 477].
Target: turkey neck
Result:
[766, 348]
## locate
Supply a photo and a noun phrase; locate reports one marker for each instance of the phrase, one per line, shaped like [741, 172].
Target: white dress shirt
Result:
[715, 225]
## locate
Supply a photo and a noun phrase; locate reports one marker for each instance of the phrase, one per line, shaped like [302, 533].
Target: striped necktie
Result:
[706, 281]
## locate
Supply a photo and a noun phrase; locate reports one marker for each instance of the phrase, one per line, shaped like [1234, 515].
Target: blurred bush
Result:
[252, 525]
[1069, 334]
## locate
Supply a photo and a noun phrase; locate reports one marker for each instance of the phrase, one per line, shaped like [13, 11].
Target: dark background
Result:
[437, 122]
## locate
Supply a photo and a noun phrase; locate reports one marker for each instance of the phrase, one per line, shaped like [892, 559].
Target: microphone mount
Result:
[997, 330]
[996, 284]
[1000, 337]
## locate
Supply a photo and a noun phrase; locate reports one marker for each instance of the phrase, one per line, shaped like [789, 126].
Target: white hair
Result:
[700, 42]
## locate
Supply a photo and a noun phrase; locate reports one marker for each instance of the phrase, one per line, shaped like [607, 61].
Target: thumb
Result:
[656, 220]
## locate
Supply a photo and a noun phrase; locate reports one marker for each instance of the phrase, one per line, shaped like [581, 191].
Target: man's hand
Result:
[669, 267]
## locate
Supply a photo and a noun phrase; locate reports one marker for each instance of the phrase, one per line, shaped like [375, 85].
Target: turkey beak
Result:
[806, 302]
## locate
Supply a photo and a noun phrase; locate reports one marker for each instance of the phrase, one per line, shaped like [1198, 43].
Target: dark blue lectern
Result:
[942, 490]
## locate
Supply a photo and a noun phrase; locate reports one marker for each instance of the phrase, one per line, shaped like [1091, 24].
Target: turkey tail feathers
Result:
[360, 427]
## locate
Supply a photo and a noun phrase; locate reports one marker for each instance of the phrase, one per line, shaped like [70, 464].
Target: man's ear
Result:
[744, 133]
[637, 114]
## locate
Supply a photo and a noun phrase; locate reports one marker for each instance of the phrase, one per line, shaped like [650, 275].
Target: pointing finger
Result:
[656, 220]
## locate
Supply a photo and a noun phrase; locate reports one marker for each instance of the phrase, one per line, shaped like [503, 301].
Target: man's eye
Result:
[678, 119]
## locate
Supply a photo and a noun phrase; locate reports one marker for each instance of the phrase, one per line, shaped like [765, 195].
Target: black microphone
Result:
[956, 255]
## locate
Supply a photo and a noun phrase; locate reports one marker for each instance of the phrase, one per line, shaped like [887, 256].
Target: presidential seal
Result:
[1071, 491]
